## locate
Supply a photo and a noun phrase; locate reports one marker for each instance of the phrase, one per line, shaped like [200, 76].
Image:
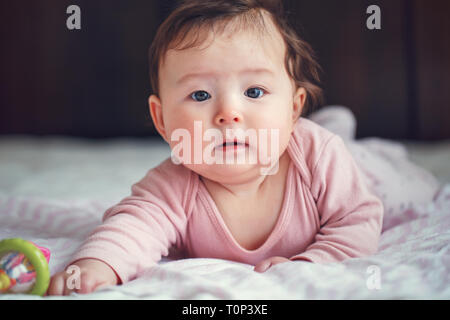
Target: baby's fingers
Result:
[56, 286]
[263, 265]
[66, 282]
[267, 263]
[85, 283]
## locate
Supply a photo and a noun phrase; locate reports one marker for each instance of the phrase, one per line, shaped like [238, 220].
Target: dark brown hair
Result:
[191, 17]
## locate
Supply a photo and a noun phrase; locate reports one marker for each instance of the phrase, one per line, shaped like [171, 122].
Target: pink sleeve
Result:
[350, 216]
[140, 229]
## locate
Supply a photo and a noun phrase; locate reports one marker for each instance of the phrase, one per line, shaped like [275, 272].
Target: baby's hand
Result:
[267, 263]
[86, 276]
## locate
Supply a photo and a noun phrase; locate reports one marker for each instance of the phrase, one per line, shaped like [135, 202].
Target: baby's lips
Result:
[231, 142]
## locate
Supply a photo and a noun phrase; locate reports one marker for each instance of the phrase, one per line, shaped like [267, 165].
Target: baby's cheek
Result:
[189, 144]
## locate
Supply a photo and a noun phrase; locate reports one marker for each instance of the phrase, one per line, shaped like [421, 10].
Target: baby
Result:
[219, 68]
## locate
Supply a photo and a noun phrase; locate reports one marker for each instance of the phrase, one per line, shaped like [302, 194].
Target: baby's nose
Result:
[227, 116]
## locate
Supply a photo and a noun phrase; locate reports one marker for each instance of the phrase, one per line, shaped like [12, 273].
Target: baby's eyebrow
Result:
[191, 76]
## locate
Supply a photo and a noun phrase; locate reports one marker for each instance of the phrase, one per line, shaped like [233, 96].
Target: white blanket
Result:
[54, 191]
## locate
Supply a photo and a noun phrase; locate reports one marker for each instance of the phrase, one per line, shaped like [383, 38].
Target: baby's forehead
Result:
[259, 26]
[227, 54]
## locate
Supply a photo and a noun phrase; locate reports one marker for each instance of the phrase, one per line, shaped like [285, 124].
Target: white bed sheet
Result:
[53, 191]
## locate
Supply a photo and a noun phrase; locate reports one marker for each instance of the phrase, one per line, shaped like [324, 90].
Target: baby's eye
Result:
[200, 95]
[254, 93]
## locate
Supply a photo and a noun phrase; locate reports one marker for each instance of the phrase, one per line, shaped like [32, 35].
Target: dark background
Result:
[94, 82]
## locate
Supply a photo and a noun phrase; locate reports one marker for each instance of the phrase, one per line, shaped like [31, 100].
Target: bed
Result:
[54, 190]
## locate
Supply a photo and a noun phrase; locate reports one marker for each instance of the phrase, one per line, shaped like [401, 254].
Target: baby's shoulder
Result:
[310, 139]
[168, 171]
[168, 180]
[311, 133]
[307, 144]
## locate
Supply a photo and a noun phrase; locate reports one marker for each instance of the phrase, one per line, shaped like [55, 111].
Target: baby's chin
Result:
[232, 173]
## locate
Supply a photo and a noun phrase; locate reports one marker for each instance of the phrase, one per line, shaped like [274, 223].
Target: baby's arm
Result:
[350, 216]
[135, 233]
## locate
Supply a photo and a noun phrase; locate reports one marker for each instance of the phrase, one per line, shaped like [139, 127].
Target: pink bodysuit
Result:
[328, 213]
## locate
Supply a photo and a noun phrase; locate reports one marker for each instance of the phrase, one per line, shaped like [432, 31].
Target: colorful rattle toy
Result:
[23, 267]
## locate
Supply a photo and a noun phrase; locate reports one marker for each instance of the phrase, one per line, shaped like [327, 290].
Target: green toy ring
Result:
[36, 258]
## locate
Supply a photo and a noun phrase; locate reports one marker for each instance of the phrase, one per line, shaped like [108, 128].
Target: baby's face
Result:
[231, 82]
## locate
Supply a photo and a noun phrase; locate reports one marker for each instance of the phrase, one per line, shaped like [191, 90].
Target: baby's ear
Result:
[299, 103]
[155, 107]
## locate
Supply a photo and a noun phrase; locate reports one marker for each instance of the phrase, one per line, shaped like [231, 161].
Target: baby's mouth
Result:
[232, 145]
